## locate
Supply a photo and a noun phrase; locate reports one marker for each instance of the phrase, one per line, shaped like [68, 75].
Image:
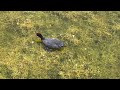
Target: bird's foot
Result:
[48, 49]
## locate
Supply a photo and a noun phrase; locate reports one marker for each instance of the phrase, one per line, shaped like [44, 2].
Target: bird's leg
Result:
[48, 49]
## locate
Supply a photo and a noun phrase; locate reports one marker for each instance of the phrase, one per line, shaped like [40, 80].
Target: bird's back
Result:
[53, 43]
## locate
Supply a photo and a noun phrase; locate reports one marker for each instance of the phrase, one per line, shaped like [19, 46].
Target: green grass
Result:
[92, 40]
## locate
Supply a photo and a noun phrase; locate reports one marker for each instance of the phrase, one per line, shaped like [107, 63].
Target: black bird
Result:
[50, 43]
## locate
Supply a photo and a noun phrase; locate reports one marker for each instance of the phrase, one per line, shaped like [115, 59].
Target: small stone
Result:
[73, 35]
[32, 42]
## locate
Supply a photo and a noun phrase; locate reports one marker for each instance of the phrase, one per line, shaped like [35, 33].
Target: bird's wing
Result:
[53, 43]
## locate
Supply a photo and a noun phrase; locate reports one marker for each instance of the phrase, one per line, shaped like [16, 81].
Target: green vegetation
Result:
[92, 40]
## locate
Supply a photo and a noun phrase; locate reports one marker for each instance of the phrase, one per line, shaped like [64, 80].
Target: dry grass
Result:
[92, 42]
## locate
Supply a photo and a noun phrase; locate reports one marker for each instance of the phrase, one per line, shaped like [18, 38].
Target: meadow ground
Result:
[92, 40]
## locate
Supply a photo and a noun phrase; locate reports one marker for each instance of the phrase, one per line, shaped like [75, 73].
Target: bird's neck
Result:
[40, 35]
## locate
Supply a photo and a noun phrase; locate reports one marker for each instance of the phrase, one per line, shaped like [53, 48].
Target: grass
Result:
[92, 40]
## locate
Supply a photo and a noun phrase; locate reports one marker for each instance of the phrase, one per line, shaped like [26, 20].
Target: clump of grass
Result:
[92, 41]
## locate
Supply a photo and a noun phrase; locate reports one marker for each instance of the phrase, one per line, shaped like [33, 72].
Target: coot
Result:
[50, 43]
